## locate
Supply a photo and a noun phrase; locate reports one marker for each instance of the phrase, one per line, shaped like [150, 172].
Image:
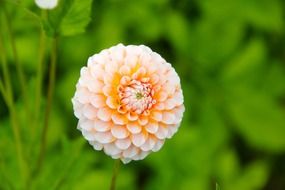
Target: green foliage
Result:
[230, 57]
[69, 18]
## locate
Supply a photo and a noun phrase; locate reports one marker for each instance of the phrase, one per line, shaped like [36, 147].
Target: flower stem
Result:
[2, 91]
[39, 78]
[38, 90]
[8, 97]
[115, 174]
[52, 72]
[19, 69]
[217, 187]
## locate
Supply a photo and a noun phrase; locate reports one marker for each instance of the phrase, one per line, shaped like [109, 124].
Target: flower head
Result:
[46, 4]
[128, 101]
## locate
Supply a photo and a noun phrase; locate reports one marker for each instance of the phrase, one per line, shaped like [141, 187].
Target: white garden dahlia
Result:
[128, 101]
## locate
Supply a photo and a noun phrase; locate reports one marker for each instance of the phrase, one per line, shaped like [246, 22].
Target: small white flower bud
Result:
[46, 4]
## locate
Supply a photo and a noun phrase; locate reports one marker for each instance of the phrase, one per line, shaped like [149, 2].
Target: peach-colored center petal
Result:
[136, 96]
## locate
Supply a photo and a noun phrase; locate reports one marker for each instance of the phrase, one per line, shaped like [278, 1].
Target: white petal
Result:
[178, 96]
[108, 78]
[156, 115]
[157, 145]
[104, 114]
[173, 78]
[151, 127]
[90, 62]
[143, 120]
[95, 85]
[143, 154]
[97, 72]
[162, 96]
[132, 116]
[101, 126]
[111, 149]
[154, 79]
[86, 124]
[46, 4]
[77, 107]
[123, 143]
[110, 102]
[104, 137]
[96, 145]
[126, 160]
[78, 127]
[179, 111]
[117, 52]
[138, 139]
[168, 118]
[136, 157]
[82, 95]
[172, 130]
[101, 57]
[117, 156]
[111, 67]
[89, 111]
[148, 145]
[119, 132]
[119, 119]
[125, 70]
[162, 132]
[159, 106]
[170, 104]
[169, 88]
[130, 152]
[98, 101]
[107, 90]
[88, 135]
[87, 80]
[134, 128]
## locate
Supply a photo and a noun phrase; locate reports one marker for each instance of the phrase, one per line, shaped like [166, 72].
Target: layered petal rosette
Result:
[128, 101]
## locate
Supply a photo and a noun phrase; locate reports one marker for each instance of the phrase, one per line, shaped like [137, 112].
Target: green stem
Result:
[115, 174]
[39, 80]
[13, 114]
[38, 92]
[19, 68]
[2, 91]
[217, 187]
[19, 5]
[52, 71]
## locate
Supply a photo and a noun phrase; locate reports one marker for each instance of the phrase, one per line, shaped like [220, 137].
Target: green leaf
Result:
[258, 118]
[69, 18]
[246, 62]
[255, 175]
[76, 18]
[213, 41]
[261, 14]
[266, 15]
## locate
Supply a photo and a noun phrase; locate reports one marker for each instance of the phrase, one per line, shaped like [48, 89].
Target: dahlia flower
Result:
[128, 101]
[46, 4]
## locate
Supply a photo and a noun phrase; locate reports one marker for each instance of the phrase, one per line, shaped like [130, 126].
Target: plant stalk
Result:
[115, 174]
[51, 84]
[19, 69]
[7, 92]
[39, 78]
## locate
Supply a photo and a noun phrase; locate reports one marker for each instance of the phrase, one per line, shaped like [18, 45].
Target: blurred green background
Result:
[230, 56]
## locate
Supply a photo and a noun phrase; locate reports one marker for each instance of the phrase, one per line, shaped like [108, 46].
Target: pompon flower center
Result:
[136, 96]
